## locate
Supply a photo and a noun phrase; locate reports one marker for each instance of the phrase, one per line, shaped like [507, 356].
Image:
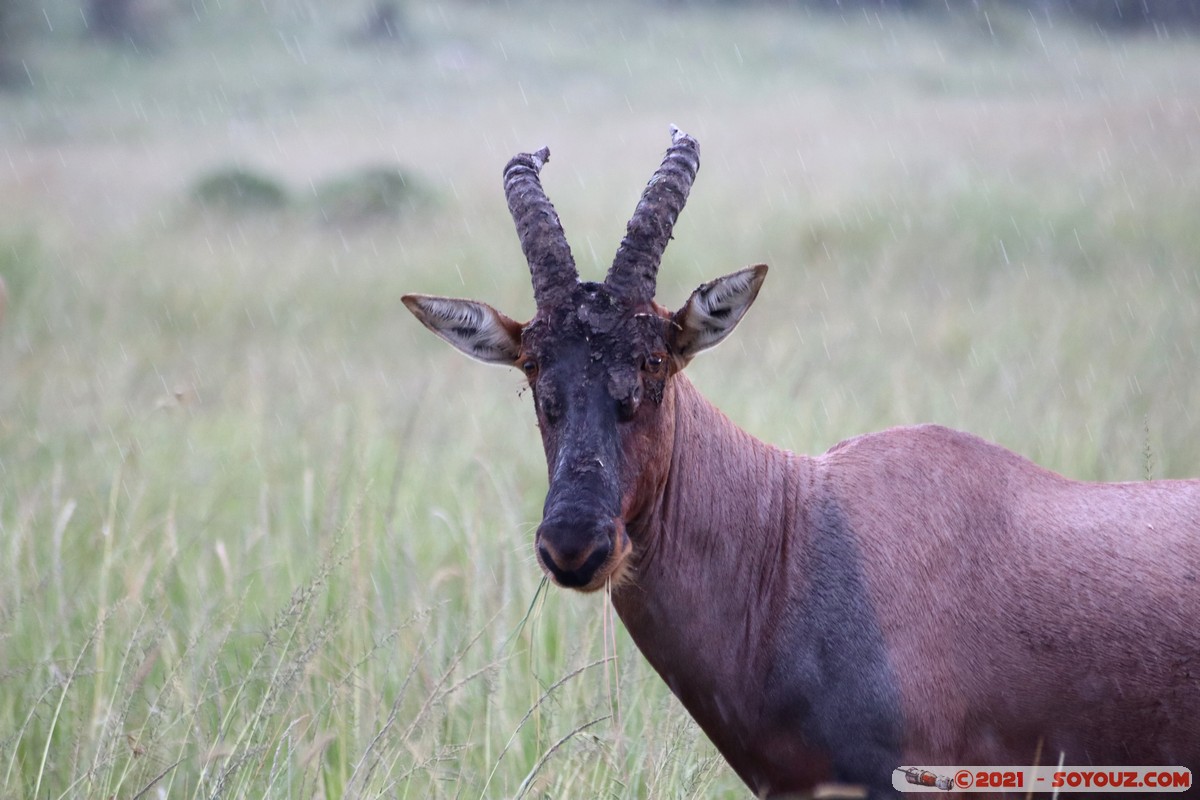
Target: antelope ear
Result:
[713, 311]
[475, 328]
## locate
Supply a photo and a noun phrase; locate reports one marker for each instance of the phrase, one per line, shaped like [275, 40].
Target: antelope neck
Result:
[712, 576]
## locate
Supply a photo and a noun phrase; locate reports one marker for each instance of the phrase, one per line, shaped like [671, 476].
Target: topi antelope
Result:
[916, 596]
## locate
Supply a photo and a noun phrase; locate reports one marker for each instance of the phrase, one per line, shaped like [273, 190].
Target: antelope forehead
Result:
[596, 331]
[595, 362]
[581, 372]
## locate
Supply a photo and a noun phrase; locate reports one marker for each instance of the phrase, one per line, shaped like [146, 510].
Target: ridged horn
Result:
[635, 267]
[551, 265]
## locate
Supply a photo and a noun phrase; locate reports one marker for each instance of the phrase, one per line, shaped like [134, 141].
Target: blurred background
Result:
[263, 535]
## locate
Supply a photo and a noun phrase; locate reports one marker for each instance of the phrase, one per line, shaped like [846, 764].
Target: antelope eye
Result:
[654, 362]
[530, 367]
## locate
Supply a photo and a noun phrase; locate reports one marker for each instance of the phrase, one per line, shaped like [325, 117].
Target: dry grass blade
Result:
[525, 784]
[142, 792]
[545, 695]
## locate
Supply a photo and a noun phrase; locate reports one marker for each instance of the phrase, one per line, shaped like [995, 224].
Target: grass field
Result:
[263, 536]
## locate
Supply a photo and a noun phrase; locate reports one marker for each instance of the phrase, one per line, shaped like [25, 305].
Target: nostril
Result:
[574, 553]
[545, 555]
[565, 553]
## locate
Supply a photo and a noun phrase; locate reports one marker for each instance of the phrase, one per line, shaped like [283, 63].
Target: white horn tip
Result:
[678, 136]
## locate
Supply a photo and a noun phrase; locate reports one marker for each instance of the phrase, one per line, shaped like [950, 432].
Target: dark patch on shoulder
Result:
[833, 682]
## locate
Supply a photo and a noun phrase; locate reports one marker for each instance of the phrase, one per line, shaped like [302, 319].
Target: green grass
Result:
[262, 535]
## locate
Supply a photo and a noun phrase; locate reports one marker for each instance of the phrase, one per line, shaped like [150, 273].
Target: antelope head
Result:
[600, 358]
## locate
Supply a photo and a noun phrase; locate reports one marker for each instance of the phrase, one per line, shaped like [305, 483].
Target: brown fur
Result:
[1019, 608]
